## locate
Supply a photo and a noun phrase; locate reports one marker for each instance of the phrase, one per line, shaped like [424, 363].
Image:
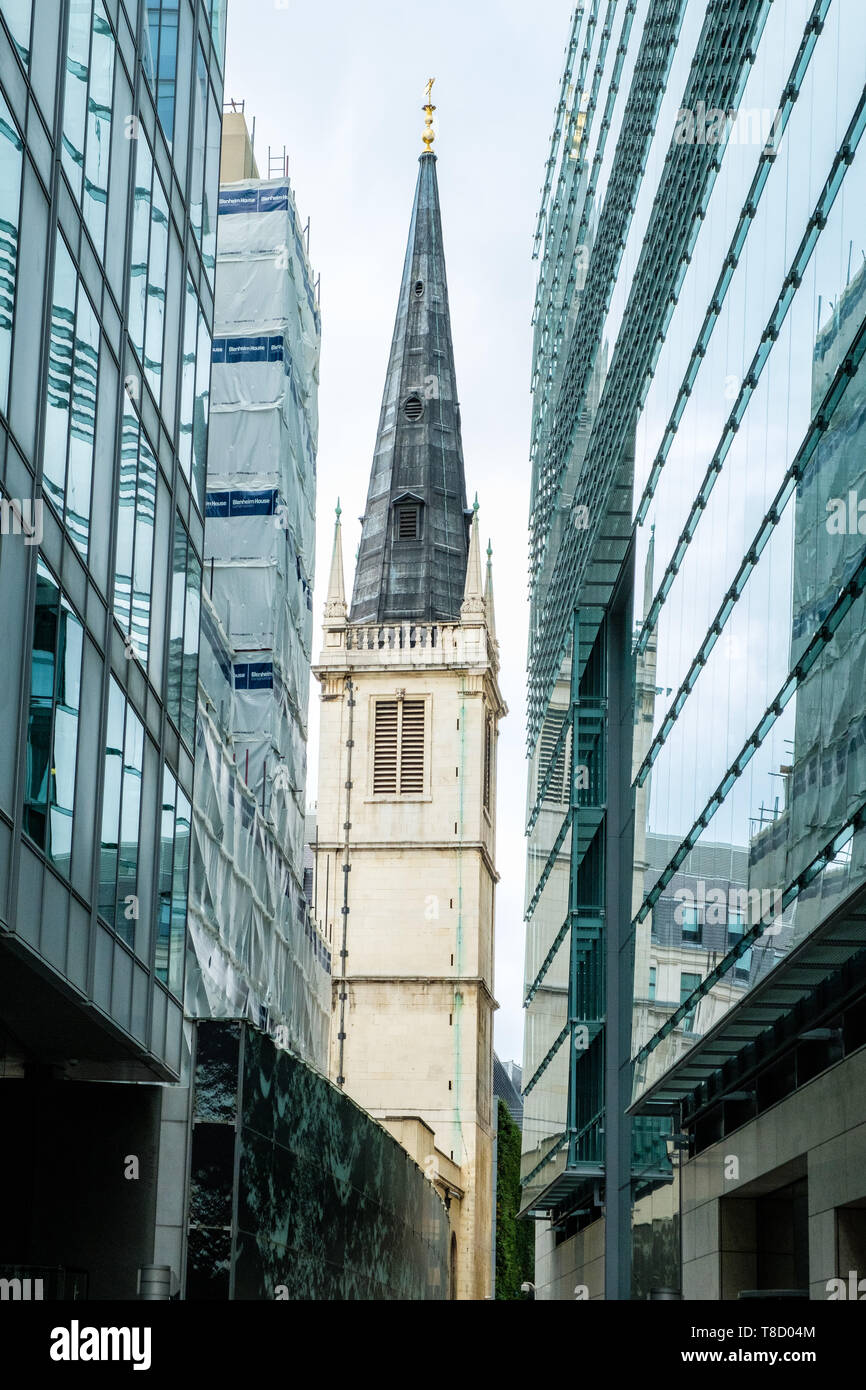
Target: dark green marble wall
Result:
[308, 1197]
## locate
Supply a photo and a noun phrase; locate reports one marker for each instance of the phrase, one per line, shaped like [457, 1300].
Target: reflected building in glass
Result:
[110, 117]
[694, 1070]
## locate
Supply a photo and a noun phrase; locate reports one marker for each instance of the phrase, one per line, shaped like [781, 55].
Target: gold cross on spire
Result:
[429, 134]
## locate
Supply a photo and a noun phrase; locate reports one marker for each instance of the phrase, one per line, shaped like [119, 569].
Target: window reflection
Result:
[60, 359]
[87, 97]
[194, 395]
[173, 884]
[190, 647]
[127, 869]
[145, 512]
[133, 566]
[218, 27]
[178, 607]
[111, 794]
[187, 391]
[201, 412]
[183, 634]
[199, 129]
[180, 880]
[70, 416]
[803, 780]
[166, 864]
[156, 273]
[75, 92]
[211, 185]
[160, 60]
[17, 14]
[10, 201]
[126, 516]
[141, 221]
[83, 422]
[121, 805]
[98, 126]
[52, 726]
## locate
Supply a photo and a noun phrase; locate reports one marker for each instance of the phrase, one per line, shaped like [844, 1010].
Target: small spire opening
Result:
[413, 408]
[408, 522]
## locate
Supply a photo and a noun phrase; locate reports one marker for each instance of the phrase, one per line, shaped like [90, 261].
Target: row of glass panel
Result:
[86, 152]
[835, 65]
[126, 846]
[68, 467]
[784, 803]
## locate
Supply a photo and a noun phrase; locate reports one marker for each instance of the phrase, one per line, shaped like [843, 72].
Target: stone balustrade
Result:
[408, 643]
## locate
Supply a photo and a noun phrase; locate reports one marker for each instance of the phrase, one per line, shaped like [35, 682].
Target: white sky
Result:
[341, 84]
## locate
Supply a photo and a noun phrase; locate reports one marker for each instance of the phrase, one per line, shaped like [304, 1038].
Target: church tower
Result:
[405, 853]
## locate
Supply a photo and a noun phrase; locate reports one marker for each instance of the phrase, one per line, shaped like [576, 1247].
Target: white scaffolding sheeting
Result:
[256, 952]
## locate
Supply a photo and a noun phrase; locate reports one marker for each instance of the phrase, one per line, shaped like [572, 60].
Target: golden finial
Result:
[429, 134]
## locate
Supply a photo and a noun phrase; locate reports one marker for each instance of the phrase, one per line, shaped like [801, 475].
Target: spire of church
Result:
[473, 597]
[415, 532]
[488, 595]
[335, 603]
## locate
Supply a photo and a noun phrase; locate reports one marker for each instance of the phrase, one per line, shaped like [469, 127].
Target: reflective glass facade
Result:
[696, 530]
[108, 193]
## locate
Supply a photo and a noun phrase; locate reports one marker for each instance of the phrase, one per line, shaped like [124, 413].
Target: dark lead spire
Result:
[414, 540]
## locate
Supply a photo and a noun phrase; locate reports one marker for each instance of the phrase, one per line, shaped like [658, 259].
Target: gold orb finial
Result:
[429, 134]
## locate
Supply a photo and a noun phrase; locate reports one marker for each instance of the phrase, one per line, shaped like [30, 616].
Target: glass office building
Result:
[110, 115]
[697, 775]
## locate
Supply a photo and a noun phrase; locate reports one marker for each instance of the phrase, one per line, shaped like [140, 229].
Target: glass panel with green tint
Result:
[180, 880]
[126, 517]
[111, 793]
[133, 568]
[52, 727]
[85, 375]
[10, 206]
[75, 92]
[41, 713]
[189, 678]
[70, 415]
[178, 604]
[17, 14]
[60, 364]
[688, 983]
[201, 91]
[166, 866]
[211, 185]
[145, 510]
[218, 27]
[141, 223]
[201, 412]
[127, 871]
[160, 59]
[98, 150]
[157, 265]
[188, 381]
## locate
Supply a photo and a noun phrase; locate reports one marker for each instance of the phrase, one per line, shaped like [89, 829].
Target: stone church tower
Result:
[405, 854]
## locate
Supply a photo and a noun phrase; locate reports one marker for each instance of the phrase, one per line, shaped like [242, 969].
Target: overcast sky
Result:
[341, 85]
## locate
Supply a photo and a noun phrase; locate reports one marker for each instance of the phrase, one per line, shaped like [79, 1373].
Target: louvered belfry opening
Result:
[412, 747]
[398, 748]
[407, 522]
[385, 744]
